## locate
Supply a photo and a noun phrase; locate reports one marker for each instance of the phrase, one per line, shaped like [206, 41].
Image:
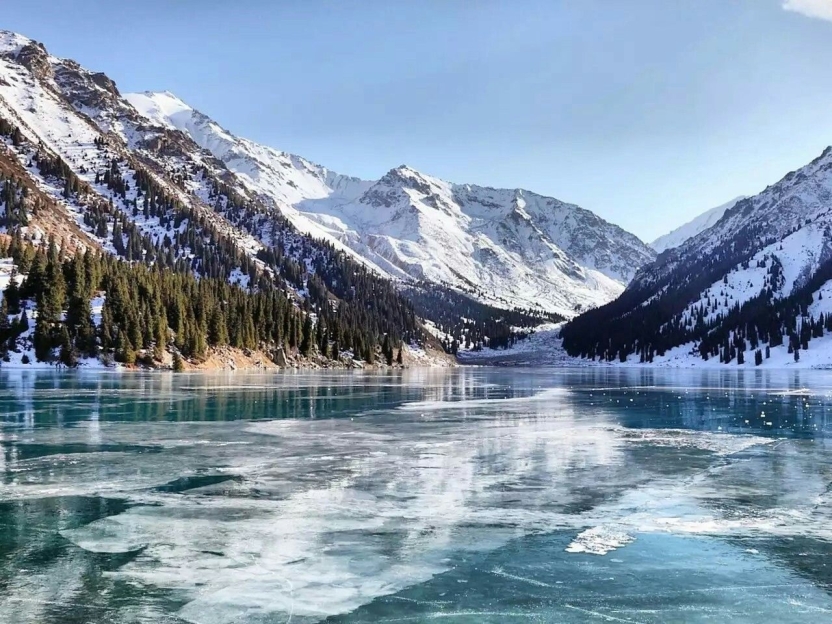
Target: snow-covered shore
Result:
[545, 348]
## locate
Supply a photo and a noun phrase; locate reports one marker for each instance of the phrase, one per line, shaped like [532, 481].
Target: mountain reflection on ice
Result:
[473, 494]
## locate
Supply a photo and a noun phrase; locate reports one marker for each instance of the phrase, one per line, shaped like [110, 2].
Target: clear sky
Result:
[647, 112]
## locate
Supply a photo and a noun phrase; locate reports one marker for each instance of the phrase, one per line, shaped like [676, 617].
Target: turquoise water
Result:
[472, 495]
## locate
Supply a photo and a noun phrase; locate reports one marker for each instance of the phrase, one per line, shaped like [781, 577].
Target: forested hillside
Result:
[753, 286]
[149, 310]
[462, 322]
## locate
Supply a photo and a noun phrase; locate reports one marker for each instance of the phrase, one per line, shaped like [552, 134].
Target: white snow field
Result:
[693, 227]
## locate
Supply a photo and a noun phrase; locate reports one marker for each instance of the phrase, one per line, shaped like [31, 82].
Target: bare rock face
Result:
[105, 82]
[89, 91]
[35, 57]
[279, 358]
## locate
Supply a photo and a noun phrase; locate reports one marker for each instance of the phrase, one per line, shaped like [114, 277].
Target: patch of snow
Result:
[599, 540]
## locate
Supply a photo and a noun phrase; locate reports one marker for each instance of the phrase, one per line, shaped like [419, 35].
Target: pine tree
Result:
[124, 350]
[68, 355]
[323, 345]
[79, 312]
[387, 350]
[12, 294]
[160, 340]
[320, 336]
[51, 298]
[34, 280]
[399, 358]
[5, 329]
[107, 329]
[306, 339]
[217, 329]
[42, 340]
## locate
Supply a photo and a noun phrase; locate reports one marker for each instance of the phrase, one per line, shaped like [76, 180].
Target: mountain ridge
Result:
[470, 251]
[700, 223]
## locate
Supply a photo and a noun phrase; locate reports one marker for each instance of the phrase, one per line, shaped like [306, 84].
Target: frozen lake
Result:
[469, 495]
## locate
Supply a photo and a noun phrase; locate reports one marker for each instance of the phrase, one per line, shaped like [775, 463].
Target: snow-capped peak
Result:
[405, 177]
[11, 42]
[161, 107]
[694, 226]
[406, 171]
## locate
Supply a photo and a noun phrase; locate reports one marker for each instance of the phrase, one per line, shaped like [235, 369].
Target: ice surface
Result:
[313, 516]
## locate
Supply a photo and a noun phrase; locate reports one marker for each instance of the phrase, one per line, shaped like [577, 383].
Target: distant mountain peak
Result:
[405, 176]
[694, 227]
[160, 107]
[11, 43]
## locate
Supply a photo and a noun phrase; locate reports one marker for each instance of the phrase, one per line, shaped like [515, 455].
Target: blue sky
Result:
[647, 112]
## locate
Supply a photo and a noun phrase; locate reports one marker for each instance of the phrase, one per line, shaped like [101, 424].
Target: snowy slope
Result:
[772, 251]
[693, 227]
[505, 247]
[800, 199]
[67, 113]
[278, 178]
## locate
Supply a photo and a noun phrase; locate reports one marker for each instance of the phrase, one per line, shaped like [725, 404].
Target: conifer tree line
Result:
[148, 310]
[15, 196]
[719, 328]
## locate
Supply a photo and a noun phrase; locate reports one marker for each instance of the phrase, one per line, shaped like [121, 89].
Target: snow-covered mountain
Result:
[505, 247]
[71, 125]
[693, 227]
[278, 178]
[127, 173]
[79, 163]
[759, 277]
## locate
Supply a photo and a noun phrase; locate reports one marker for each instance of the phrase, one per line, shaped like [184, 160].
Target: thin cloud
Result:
[820, 9]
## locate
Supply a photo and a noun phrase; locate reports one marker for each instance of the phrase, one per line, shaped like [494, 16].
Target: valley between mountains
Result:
[137, 231]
